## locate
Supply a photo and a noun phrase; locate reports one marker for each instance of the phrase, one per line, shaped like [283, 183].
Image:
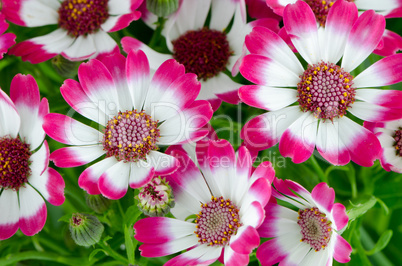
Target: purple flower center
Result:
[130, 136]
[321, 8]
[326, 90]
[81, 17]
[217, 221]
[398, 141]
[315, 228]
[14, 163]
[204, 52]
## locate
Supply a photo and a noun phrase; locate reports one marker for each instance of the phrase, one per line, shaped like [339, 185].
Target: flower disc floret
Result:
[217, 222]
[326, 90]
[81, 17]
[398, 142]
[204, 52]
[130, 136]
[14, 163]
[315, 228]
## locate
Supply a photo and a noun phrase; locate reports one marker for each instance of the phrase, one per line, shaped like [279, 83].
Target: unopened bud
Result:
[86, 230]
[162, 8]
[98, 203]
[156, 197]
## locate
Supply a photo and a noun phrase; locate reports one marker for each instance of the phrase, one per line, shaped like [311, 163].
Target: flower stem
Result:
[318, 170]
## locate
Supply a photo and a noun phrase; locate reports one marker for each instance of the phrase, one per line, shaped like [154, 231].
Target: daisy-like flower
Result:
[307, 236]
[390, 137]
[217, 210]
[6, 39]
[135, 114]
[82, 26]
[325, 92]
[391, 41]
[24, 157]
[205, 51]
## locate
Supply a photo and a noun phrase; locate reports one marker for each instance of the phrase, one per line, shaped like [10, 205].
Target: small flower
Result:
[390, 136]
[136, 114]
[98, 203]
[325, 91]
[156, 198]
[6, 39]
[391, 42]
[162, 8]
[206, 51]
[85, 229]
[24, 157]
[82, 26]
[307, 236]
[217, 210]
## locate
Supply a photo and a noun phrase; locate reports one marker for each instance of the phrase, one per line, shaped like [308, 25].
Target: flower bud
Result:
[86, 230]
[156, 198]
[162, 8]
[98, 203]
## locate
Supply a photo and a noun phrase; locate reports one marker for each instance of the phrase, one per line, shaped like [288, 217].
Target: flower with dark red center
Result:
[310, 107]
[82, 17]
[390, 136]
[25, 178]
[308, 236]
[203, 52]
[136, 114]
[206, 50]
[14, 163]
[219, 206]
[82, 27]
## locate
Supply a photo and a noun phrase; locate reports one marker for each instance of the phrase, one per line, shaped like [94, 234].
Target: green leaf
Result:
[65, 218]
[381, 243]
[128, 239]
[383, 206]
[361, 208]
[96, 251]
[131, 215]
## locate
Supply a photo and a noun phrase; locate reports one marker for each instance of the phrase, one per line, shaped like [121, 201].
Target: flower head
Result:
[206, 51]
[218, 208]
[136, 115]
[24, 156]
[86, 230]
[390, 136]
[82, 26]
[326, 91]
[307, 236]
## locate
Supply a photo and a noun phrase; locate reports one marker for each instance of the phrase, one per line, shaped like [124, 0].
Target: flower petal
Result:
[141, 173]
[339, 215]
[113, 183]
[10, 120]
[363, 39]
[170, 247]
[76, 156]
[301, 26]
[33, 211]
[374, 113]
[9, 213]
[162, 163]
[245, 240]
[66, 130]
[82, 48]
[386, 98]
[342, 249]
[200, 255]
[324, 196]
[115, 23]
[88, 179]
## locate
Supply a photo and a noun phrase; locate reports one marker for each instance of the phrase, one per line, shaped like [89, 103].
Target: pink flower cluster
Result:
[133, 107]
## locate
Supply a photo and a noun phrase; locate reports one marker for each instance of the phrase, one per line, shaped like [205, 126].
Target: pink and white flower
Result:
[24, 157]
[6, 39]
[391, 41]
[308, 236]
[135, 113]
[224, 191]
[82, 26]
[205, 51]
[390, 136]
[318, 118]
